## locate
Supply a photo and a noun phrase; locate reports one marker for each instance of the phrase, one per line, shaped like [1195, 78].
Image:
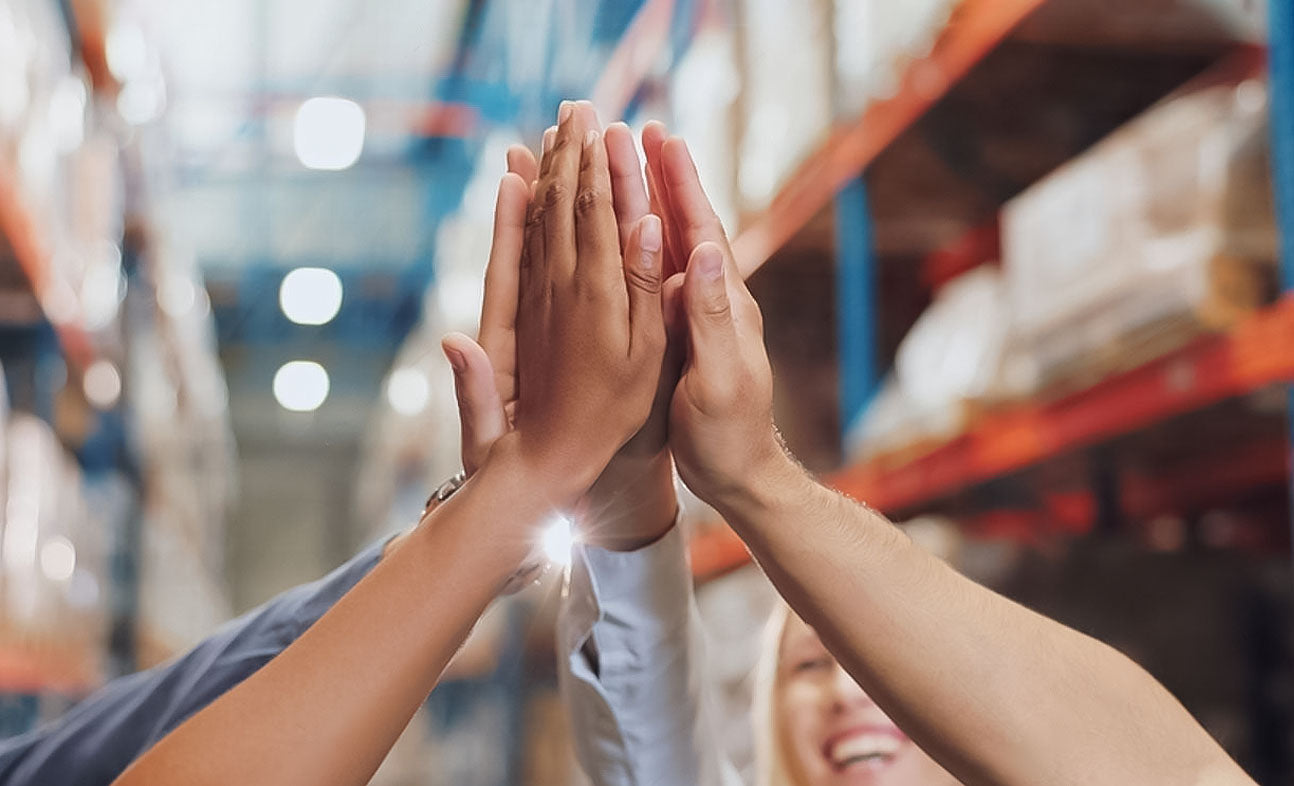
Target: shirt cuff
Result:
[646, 593]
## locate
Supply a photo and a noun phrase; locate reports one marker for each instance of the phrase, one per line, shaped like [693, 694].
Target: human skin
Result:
[994, 692]
[329, 707]
[830, 731]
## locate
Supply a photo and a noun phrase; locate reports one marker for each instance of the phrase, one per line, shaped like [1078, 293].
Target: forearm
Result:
[996, 693]
[328, 708]
[632, 504]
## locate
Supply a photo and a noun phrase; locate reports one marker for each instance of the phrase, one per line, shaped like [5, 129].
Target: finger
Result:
[553, 205]
[711, 328]
[480, 410]
[522, 162]
[564, 111]
[654, 135]
[642, 271]
[673, 311]
[695, 217]
[628, 193]
[675, 326]
[502, 272]
[596, 236]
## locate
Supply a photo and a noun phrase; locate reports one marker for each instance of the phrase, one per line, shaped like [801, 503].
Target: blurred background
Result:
[1020, 262]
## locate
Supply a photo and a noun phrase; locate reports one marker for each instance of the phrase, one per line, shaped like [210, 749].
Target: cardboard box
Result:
[1163, 230]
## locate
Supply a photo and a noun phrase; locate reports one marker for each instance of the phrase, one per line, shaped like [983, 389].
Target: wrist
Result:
[561, 486]
[631, 505]
[760, 492]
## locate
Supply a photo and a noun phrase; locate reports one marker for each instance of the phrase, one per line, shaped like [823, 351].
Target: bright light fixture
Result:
[141, 101]
[102, 384]
[557, 539]
[67, 114]
[301, 385]
[408, 391]
[329, 133]
[58, 559]
[310, 295]
[177, 295]
[127, 52]
[103, 288]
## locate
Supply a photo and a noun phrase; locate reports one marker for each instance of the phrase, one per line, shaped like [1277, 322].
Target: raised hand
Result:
[485, 373]
[590, 334]
[721, 414]
[633, 501]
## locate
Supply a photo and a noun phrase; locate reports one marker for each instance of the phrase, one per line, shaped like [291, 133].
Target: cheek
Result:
[801, 726]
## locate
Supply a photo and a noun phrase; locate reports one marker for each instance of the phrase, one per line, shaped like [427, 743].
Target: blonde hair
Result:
[770, 755]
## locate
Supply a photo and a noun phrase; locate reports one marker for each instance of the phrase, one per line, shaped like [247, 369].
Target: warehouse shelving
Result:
[977, 27]
[1017, 440]
[1255, 354]
[18, 227]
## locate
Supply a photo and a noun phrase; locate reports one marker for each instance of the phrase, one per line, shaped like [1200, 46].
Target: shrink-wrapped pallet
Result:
[1163, 230]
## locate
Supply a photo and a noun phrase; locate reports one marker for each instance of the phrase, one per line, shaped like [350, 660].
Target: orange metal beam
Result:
[976, 28]
[633, 58]
[1256, 353]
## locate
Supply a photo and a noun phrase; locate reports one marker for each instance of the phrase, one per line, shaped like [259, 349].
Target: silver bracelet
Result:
[531, 570]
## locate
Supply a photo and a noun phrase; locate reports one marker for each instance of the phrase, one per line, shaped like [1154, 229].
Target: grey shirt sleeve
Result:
[631, 669]
[99, 737]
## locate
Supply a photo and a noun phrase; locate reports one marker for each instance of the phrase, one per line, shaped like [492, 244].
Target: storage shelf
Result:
[1256, 353]
[19, 228]
[976, 28]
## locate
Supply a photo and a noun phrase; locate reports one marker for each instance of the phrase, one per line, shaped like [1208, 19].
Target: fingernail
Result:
[456, 359]
[564, 111]
[651, 235]
[710, 262]
[550, 136]
[590, 137]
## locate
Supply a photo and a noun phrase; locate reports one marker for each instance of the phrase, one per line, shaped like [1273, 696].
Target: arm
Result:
[631, 647]
[994, 692]
[328, 708]
[631, 667]
[98, 738]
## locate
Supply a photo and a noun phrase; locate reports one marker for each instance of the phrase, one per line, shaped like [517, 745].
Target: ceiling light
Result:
[177, 295]
[127, 52]
[102, 384]
[329, 133]
[408, 391]
[58, 559]
[301, 386]
[67, 114]
[310, 295]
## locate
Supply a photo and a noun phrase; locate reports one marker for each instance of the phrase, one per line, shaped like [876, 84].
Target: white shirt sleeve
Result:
[631, 669]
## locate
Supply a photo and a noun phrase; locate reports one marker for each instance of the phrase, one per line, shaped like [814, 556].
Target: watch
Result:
[535, 564]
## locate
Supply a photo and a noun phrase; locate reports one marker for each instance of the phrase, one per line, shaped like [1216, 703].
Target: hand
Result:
[633, 502]
[588, 322]
[721, 415]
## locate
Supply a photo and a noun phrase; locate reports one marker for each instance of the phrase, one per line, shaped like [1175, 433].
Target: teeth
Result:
[862, 747]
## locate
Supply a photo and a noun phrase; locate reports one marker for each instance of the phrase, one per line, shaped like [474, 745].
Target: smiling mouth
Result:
[872, 750]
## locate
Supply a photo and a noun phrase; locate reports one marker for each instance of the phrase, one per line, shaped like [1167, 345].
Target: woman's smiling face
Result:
[832, 734]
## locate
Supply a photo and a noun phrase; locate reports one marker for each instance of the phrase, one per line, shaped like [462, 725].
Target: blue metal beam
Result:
[1281, 24]
[855, 303]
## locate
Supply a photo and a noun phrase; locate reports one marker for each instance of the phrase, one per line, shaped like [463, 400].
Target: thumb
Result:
[709, 311]
[642, 262]
[480, 410]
